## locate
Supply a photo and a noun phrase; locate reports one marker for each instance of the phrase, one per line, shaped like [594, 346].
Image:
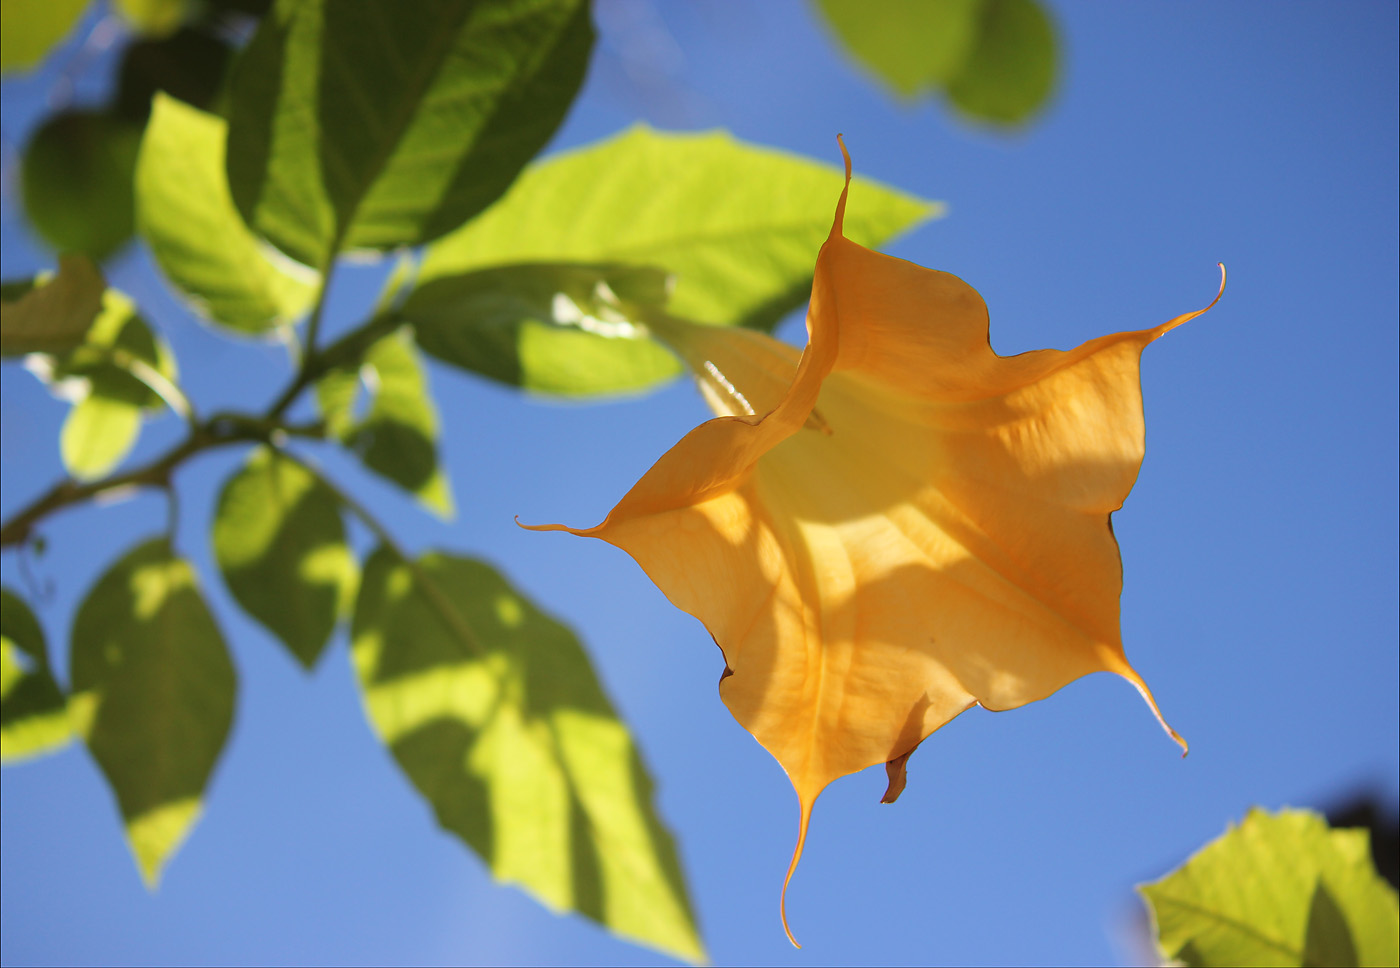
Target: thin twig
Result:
[220, 430]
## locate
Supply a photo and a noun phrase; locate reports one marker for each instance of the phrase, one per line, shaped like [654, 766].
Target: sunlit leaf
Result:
[1279, 889]
[492, 709]
[30, 28]
[53, 315]
[378, 123]
[551, 328]
[33, 709]
[397, 437]
[153, 695]
[280, 543]
[198, 238]
[99, 432]
[338, 395]
[76, 181]
[895, 524]
[108, 378]
[740, 248]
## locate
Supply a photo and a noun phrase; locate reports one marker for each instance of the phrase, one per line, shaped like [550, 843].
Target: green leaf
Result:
[492, 709]
[76, 181]
[98, 433]
[398, 436]
[1280, 889]
[52, 316]
[33, 709]
[157, 18]
[337, 397]
[108, 397]
[912, 45]
[738, 226]
[153, 695]
[29, 29]
[280, 543]
[548, 328]
[199, 240]
[1010, 72]
[379, 123]
[995, 59]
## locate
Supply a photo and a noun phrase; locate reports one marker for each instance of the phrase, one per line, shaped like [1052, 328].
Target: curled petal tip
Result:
[806, 807]
[1222, 286]
[541, 527]
[1180, 741]
[1187, 317]
[841, 140]
[782, 905]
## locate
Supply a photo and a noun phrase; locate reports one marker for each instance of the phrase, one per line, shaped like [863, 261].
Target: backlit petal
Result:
[897, 525]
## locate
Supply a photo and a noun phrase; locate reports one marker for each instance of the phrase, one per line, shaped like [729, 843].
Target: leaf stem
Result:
[309, 357]
[221, 429]
[313, 325]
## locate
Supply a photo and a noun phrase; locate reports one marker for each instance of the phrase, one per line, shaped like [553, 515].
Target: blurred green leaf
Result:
[280, 543]
[153, 695]
[493, 711]
[378, 123]
[189, 66]
[996, 59]
[99, 432]
[914, 46]
[551, 328]
[198, 238]
[108, 398]
[397, 438]
[76, 180]
[1279, 889]
[337, 397]
[53, 315]
[1011, 70]
[157, 18]
[33, 709]
[29, 29]
[738, 226]
[118, 329]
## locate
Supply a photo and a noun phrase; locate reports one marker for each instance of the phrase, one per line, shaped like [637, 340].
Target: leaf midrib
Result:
[1229, 922]
[397, 121]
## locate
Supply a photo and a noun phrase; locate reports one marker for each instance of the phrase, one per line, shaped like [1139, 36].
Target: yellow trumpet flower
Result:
[895, 524]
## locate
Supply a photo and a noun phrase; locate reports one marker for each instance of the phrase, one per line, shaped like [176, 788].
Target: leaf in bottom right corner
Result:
[1279, 889]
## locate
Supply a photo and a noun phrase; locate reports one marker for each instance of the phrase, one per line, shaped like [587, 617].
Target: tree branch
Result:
[220, 430]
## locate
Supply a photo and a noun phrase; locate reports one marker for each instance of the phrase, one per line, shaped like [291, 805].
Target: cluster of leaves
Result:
[378, 127]
[78, 165]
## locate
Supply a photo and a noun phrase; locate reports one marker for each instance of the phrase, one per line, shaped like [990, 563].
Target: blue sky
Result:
[1259, 546]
